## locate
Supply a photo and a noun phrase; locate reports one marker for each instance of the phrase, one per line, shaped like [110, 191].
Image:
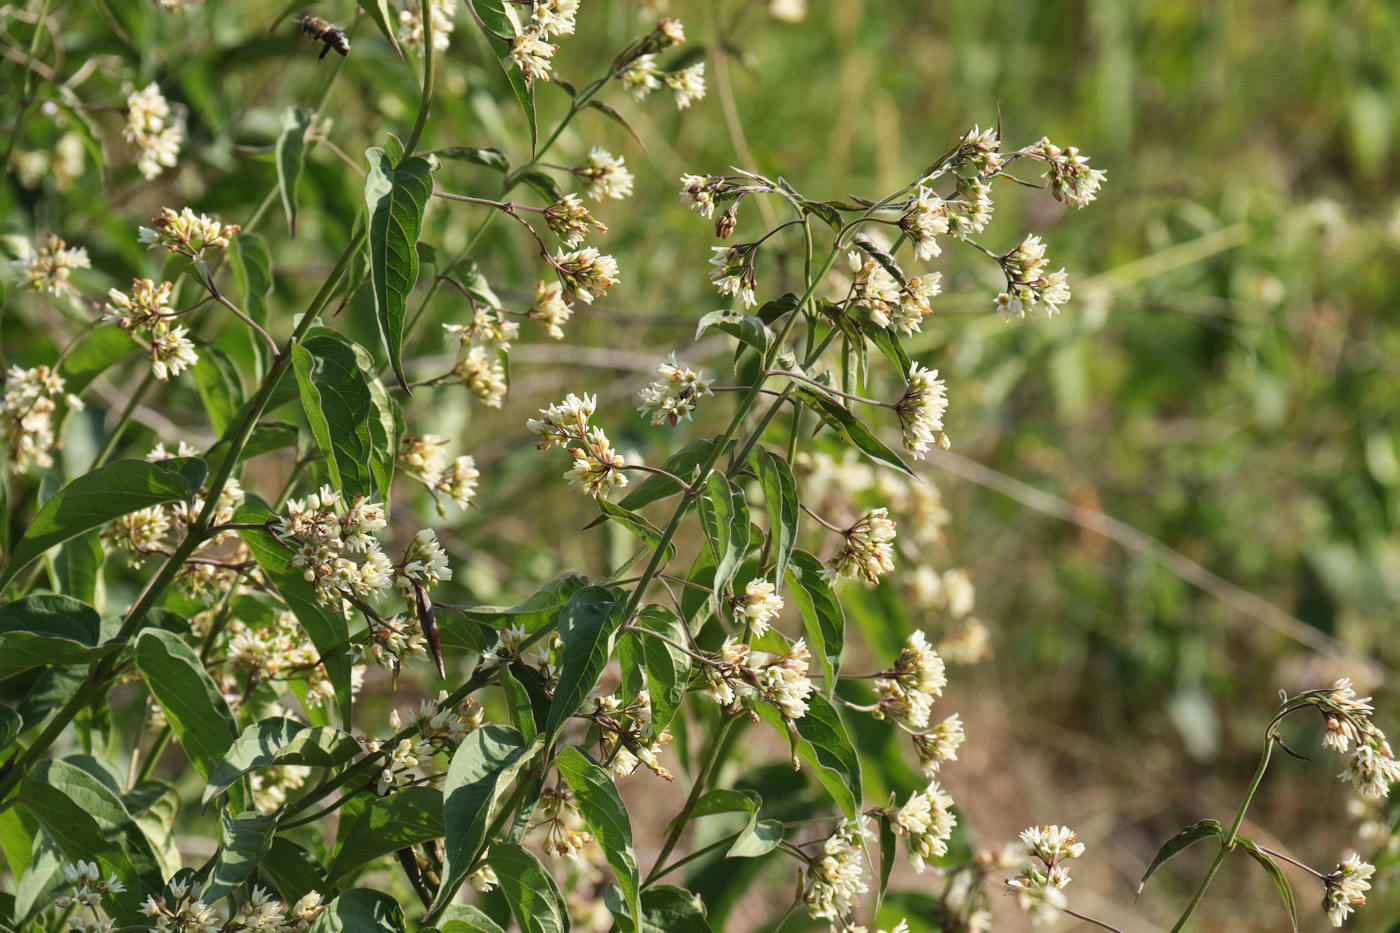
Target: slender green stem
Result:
[26, 96]
[123, 419]
[425, 12]
[1227, 842]
[701, 779]
[153, 756]
[698, 853]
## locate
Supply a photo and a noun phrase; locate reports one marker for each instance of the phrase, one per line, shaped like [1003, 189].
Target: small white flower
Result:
[605, 175]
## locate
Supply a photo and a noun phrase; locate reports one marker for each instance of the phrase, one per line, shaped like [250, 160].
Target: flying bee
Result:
[324, 32]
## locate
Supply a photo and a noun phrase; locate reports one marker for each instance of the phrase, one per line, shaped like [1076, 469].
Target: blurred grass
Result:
[1225, 382]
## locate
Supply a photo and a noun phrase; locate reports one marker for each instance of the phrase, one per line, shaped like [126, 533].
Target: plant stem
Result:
[26, 94]
[1227, 842]
[110, 444]
[696, 789]
[425, 13]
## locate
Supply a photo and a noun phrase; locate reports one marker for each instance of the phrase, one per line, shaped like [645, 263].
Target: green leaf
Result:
[1285, 890]
[105, 345]
[533, 896]
[724, 515]
[668, 909]
[683, 463]
[279, 741]
[586, 626]
[460, 918]
[491, 158]
[780, 495]
[244, 841]
[758, 838]
[395, 196]
[824, 211]
[887, 856]
[361, 910]
[154, 805]
[851, 429]
[497, 23]
[824, 621]
[404, 818]
[820, 740]
[338, 405]
[746, 328]
[270, 436]
[96, 498]
[539, 609]
[384, 429]
[48, 630]
[89, 822]
[482, 767]
[542, 184]
[667, 668]
[192, 703]
[612, 114]
[889, 344]
[252, 267]
[216, 377]
[291, 158]
[9, 726]
[379, 14]
[1191, 834]
[603, 811]
[645, 531]
[78, 565]
[328, 630]
[518, 702]
[292, 870]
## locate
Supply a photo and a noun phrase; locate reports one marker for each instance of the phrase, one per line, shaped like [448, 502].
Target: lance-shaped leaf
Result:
[279, 741]
[1285, 890]
[192, 703]
[725, 517]
[821, 613]
[645, 531]
[780, 494]
[758, 837]
[491, 158]
[533, 896]
[328, 630]
[603, 811]
[293, 871]
[395, 196]
[586, 627]
[291, 157]
[668, 909]
[461, 918]
[106, 493]
[252, 269]
[404, 818]
[682, 463]
[482, 767]
[243, 843]
[338, 405]
[497, 23]
[851, 428]
[746, 328]
[468, 628]
[665, 667]
[361, 910]
[1191, 834]
[820, 740]
[379, 14]
[47, 630]
[216, 377]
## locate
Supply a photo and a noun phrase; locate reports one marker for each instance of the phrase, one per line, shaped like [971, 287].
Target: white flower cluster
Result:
[758, 606]
[1071, 179]
[733, 272]
[891, 305]
[47, 268]
[550, 308]
[784, 680]
[1039, 888]
[426, 459]
[1346, 888]
[439, 729]
[529, 51]
[270, 785]
[867, 548]
[916, 680]
[148, 308]
[481, 347]
[187, 232]
[597, 468]
[837, 877]
[443, 12]
[585, 274]
[675, 395]
[88, 889]
[939, 744]
[642, 74]
[26, 415]
[924, 222]
[605, 175]
[1028, 284]
[1372, 767]
[278, 651]
[623, 728]
[184, 912]
[570, 220]
[927, 822]
[921, 411]
[152, 130]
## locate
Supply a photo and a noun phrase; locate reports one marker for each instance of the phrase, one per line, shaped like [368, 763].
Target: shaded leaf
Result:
[192, 703]
[338, 405]
[404, 818]
[243, 843]
[746, 328]
[780, 496]
[533, 896]
[645, 531]
[683, 463]
[291, 157]
[1191, 834]
[279, 741]
[820, 741]
[586, 627]
[1285, 890]
[668, 909]
[395, 196]
[379, 13]
[724, 515]
[361, 910]
[822, 616]
[292, 870]
[490, 158]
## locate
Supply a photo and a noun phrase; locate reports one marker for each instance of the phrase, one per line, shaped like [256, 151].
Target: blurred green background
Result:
[1200, 450]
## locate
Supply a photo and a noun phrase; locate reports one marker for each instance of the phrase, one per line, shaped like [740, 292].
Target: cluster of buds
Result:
[701, 193]
[152, 130]
[571, 221]
[564, 836]
[926, 822]
[411, 32]
[1039, 888]
[733, 272]
[597, 468]
[605, 176]
[585, 274]
[1372, 767]
[1028, 284]
[187, 232]
[511, 647]
[1346, 888]
[271, 652]
[481, 352]
[426, 459]
[979, 153]
[867, 548]
[529, 50]
[638, 71]
[47, 268]
[550, 308]
[675, 395]
[757, 606]
[26, 415]
[910, 687]
[148, 309]
[623, 729]
[1071, 179]
[837, 877]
